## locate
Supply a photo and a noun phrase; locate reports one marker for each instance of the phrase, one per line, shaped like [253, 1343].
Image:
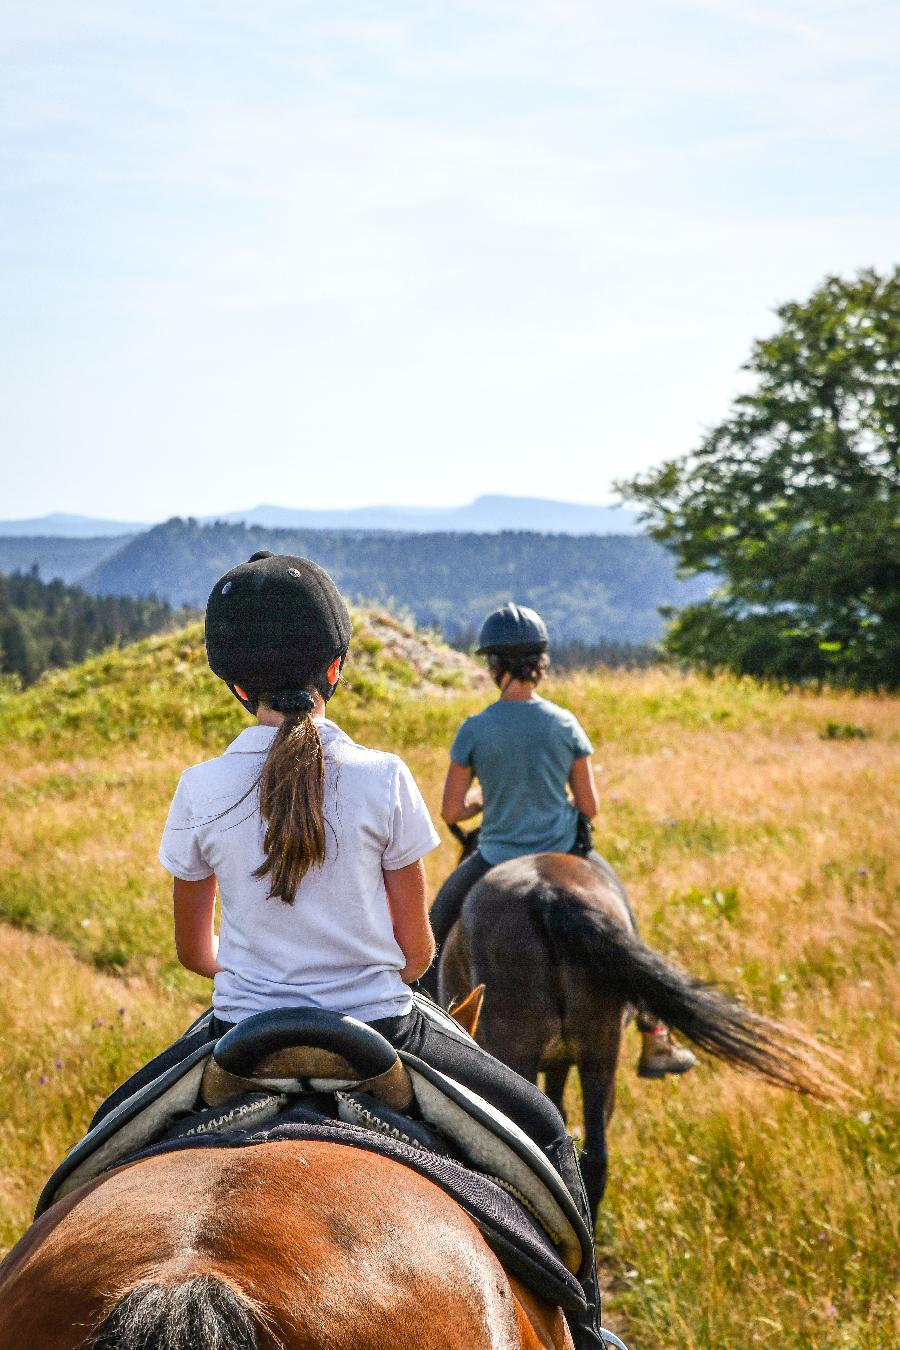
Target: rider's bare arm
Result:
[584, 787]
[407, 892]
[195, 938]
[462, 797]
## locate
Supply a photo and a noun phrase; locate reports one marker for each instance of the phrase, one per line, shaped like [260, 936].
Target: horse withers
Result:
[551, 938]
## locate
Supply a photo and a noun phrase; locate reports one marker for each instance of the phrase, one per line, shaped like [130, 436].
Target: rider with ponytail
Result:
[314, 843]
[535, 787]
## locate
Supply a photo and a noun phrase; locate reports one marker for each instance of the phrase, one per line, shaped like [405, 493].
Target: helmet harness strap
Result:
[251, 703]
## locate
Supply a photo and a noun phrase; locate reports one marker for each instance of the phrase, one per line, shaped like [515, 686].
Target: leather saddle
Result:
[266, 1063]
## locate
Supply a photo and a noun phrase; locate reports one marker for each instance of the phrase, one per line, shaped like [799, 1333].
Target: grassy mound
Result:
[759, 847]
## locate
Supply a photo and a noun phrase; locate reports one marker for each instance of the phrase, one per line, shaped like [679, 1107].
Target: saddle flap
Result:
[495, 1146]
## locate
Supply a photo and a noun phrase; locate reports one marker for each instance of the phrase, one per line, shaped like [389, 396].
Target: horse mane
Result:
[202, 1311]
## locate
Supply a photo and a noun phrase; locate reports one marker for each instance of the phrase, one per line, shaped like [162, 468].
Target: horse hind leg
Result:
[597, 1094]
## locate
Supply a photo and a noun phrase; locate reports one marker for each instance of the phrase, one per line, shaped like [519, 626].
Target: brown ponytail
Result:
[291, 802]
[528, 666]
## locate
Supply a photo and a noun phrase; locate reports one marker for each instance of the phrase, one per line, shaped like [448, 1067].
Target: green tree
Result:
[18, 650]
[794, 500]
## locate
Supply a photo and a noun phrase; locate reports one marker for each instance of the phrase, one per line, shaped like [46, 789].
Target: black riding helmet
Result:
[512, 628]
[274, 624]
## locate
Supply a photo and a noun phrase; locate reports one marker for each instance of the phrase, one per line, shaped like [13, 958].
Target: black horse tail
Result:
[202, 1313]
[619, 962]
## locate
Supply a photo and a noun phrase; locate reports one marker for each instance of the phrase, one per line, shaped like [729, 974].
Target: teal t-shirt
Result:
[522, 755]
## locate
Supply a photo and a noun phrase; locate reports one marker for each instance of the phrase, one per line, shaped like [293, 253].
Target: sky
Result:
[348, 254]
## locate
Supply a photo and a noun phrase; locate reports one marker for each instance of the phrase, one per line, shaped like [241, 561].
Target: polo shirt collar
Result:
[256, 740]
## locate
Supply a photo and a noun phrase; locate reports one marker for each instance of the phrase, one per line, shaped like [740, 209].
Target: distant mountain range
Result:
[58, 557]
[588, 588]
[63, 526]
[485, 515]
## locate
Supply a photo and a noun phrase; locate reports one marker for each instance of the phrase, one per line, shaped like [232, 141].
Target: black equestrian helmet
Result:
[275, 622]
[513, 628]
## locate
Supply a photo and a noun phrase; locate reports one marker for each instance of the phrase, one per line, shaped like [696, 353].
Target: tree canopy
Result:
[45, 624]
[794, 500]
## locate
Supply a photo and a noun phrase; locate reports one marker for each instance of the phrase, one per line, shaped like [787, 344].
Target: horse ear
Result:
[468, 1010]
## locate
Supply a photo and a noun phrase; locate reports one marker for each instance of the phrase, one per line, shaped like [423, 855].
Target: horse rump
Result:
[202, 1313]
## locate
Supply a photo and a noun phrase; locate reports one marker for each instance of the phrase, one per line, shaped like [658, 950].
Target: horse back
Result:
[337, 1247]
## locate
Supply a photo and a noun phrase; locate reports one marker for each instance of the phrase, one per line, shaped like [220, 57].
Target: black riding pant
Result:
[448, 902]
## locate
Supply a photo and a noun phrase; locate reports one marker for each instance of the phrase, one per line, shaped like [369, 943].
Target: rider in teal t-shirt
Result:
[529, 811]
[535, 788]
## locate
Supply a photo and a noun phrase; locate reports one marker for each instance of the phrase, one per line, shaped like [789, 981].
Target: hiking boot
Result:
[660, 1055]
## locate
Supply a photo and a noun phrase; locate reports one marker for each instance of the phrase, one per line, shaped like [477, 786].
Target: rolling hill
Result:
[485, 515]
[62, 525]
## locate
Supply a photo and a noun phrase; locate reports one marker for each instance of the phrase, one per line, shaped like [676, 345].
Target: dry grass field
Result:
[757, 831]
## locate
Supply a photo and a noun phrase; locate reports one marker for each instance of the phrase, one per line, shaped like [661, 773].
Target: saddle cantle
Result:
[313, 1066]
[295, 1050]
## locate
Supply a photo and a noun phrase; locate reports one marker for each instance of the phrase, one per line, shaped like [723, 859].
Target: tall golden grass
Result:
[757, 832]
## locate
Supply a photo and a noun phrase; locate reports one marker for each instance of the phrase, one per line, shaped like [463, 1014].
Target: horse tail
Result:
[202, 1313]
[618, 961]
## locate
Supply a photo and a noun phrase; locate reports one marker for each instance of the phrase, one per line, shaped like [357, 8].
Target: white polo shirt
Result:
[334, 947]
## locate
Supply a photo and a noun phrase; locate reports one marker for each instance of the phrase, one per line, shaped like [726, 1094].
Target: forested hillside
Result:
[588, 588]
[44, 625]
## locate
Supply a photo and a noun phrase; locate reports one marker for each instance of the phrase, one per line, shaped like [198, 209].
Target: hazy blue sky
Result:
[344, 253]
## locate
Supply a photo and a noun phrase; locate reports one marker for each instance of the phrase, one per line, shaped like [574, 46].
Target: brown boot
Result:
[660, 1055]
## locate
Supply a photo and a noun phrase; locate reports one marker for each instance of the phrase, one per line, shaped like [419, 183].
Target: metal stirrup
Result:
[609, 1338]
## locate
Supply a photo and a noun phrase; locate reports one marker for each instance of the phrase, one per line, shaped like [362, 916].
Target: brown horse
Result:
[551, 937]
[298, 1245]
[291, 1245]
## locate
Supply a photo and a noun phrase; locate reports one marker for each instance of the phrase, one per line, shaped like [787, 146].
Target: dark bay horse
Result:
[551, 938]
[276, 1246]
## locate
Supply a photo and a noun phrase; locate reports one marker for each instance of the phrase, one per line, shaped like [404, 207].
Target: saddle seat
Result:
[307, 1064]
